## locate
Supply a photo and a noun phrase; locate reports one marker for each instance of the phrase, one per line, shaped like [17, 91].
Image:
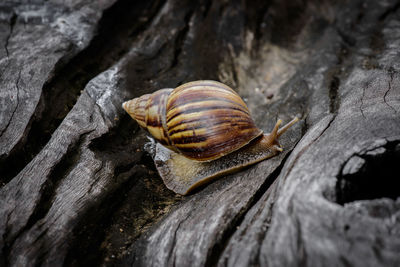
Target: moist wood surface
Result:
[78, 188]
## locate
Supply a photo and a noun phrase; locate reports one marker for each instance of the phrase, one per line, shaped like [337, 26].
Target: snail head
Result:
[273, 137]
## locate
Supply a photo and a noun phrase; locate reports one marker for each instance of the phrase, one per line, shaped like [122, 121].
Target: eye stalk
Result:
[272, 138]
[287, 126]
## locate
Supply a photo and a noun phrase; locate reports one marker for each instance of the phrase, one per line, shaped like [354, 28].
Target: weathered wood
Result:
[38, 39]
[77, 186]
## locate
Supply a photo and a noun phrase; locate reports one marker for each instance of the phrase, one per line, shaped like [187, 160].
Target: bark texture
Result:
[78, 188]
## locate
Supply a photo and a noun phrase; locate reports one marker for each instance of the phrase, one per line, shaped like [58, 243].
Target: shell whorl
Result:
[136, 108]
[149, 111]
[203, 120]
[207, 120]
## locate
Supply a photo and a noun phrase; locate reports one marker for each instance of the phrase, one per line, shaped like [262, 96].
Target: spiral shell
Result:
[150, 111]
[202, 120]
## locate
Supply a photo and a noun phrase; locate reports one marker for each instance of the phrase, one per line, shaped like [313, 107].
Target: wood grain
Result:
[78, 188]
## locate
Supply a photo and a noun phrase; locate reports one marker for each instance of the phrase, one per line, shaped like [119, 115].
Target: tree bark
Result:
[77, 186]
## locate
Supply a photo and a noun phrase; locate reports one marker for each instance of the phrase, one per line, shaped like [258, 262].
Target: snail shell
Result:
[201, 122]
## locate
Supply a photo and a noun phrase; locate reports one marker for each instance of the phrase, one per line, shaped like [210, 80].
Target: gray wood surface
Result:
[78, 188]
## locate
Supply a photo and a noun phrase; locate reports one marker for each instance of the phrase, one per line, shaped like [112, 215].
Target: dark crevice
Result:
[263, 234]
[180, 39]
[116, 142]
[15, 109]
[304, 126]
[335, 77]
[349, 40]
[134, 191]
[220, 245]
[361, 14]
[375, 177]
[85, 247]
[391, 10]
[146, 17]
[333, 95]
[98, 226]
[388, 90]
[255, 16]
[377, 44]
[13, 20]
[304, 149]
[89, 232]
[48, 189]
[60, 94]
[206, 8]
[174, 239]
[285, 21]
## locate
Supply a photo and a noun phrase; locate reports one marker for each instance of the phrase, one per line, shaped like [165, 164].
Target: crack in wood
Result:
[170, 252]
[206, 8]
[270, 181]
[13, 112]
[391, 10]
[305, 148]
[48, 189]
[387, 91]
[333, 95]
[60, 94]
[265, 232]
[219, 246]
[180, 38]
[12, 24]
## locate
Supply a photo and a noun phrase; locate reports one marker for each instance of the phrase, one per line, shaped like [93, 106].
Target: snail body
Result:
[207, 129]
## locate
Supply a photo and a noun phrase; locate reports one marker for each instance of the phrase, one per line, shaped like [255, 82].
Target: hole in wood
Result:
[372, 175]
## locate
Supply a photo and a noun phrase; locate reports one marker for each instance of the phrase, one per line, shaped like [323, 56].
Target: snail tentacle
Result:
[272, 138]
[287, 126]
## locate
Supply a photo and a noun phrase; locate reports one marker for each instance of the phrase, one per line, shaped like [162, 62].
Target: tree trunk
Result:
[77, 186]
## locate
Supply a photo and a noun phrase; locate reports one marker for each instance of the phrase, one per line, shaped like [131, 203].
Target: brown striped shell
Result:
[202, 120]
[149, 111]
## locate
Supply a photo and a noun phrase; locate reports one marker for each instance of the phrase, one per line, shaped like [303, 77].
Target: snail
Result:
[205, 131]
